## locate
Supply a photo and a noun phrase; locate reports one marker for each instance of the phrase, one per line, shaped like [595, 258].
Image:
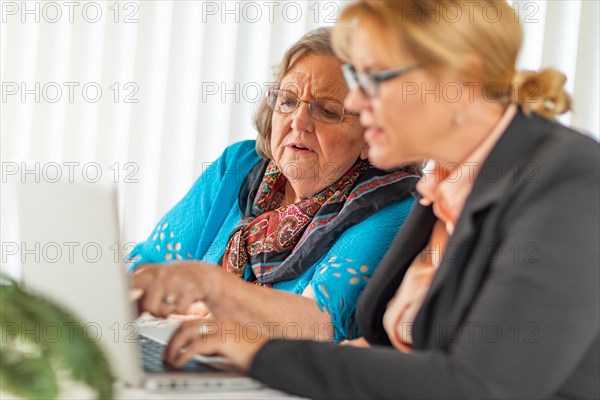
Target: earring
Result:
[458, 118]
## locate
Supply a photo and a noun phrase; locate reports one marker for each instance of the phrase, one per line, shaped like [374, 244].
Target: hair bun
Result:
[541, 92]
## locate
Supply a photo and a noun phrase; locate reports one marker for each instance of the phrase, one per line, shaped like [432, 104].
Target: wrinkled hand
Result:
[199, 310]
[237, 342]
[172, 289]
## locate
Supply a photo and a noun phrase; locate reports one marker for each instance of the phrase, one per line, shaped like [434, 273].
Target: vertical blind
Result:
[148, 93]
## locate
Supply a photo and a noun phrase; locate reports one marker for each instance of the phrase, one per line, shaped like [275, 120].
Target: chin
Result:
[381, 158]
[386, 158]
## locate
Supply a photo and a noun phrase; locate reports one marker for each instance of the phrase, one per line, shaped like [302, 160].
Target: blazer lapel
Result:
[452, 288]
[409, 242]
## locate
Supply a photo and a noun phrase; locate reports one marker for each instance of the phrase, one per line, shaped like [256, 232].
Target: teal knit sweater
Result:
[199, 226]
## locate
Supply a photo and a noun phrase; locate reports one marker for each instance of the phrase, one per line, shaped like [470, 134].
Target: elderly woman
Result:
[490, 289]
[300, 210]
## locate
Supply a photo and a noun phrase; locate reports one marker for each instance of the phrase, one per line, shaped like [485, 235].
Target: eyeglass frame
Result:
[369, 82]
[345, 111]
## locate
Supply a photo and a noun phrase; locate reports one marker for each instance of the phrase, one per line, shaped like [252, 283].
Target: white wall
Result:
[150, 91]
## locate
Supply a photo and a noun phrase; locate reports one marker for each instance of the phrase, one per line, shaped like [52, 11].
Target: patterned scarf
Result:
[269, 235]
[281, 243]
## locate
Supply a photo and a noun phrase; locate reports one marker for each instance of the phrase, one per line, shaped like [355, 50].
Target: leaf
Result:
[29, 319]
[28, 377]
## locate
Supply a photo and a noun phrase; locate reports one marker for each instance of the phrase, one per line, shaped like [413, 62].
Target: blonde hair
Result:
[465, 36]
[315, 42]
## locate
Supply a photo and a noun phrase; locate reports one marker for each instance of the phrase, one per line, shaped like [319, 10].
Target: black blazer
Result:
[514, 310]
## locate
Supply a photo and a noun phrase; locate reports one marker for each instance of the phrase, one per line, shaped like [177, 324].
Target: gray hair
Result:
[315, 42]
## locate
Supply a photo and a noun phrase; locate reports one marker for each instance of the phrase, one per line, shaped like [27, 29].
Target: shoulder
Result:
[563, 144]
[564, 154]
[535, 152]
[236, 161]
[553, 173]
[380, 227]
[241, 152]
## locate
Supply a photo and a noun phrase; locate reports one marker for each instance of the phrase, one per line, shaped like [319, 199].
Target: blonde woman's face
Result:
[409, 117]
[310, 153]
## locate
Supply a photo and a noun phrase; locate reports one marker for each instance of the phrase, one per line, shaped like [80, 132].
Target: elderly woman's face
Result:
[310, 153]
[409, 118]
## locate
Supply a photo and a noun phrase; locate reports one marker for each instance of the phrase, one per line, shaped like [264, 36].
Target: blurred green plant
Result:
[42, 341]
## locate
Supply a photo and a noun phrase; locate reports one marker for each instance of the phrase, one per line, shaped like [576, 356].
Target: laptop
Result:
[71, 253]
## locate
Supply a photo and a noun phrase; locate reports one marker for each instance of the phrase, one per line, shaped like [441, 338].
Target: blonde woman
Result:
[491, 288]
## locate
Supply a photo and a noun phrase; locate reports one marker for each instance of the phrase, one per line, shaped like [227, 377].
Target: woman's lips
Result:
[299, 149]
[373, 133]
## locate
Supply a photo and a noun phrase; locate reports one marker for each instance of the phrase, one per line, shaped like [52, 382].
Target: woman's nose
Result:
[301, 119]
[355, 100]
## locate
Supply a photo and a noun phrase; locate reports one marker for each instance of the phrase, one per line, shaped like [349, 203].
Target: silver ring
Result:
[203, 329]
[169, 299]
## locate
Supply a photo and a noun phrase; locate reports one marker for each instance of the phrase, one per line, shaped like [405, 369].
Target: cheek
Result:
[345, 147]
[399, 141]
[344, 142]
[357, 145]
[278, 132]
[406, 117]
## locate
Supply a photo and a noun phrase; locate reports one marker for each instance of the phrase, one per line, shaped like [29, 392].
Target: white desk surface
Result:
[79, 392]
[135, 394]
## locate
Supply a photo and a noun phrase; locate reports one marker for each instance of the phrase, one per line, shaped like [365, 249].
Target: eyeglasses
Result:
[369, 81]
[327, 111]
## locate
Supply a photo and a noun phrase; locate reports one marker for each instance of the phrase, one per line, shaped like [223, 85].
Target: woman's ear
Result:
[364, 154]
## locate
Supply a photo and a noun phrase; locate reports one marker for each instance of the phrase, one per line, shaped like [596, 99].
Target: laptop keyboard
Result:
[151, 354]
